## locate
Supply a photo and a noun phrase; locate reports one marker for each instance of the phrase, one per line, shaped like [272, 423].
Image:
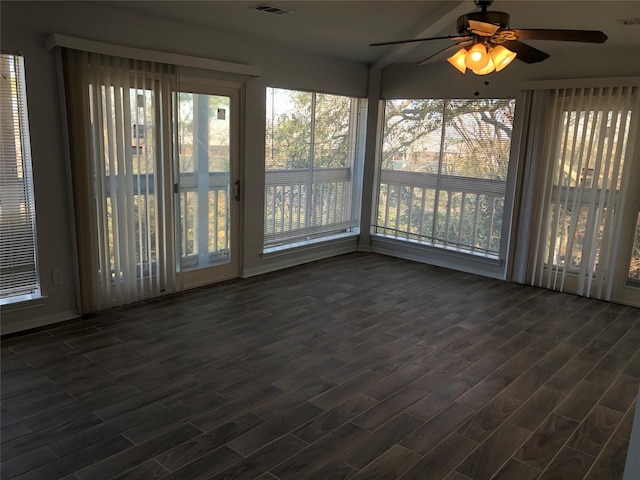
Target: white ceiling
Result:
[345, 28]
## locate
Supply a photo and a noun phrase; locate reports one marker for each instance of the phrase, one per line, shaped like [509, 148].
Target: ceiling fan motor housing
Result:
[496, 18]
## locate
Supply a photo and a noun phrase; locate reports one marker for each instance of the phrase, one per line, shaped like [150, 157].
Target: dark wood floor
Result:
[361, 366]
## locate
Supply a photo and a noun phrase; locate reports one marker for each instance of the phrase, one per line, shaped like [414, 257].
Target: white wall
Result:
[26, 25]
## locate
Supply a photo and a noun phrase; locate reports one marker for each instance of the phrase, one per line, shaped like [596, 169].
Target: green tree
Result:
[307, 129]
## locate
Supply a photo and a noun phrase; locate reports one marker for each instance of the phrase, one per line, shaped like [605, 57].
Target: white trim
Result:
[58, 40]
[21, 302]
[581, 83]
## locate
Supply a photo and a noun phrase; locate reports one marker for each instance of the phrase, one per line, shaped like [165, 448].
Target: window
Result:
[443, 175]
[18, 265]
[312, 166]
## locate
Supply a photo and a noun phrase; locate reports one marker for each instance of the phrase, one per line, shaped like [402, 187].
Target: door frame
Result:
[187, 279]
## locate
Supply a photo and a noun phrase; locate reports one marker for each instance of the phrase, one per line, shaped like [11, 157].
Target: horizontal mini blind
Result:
[311, 158]
[586, 163]
[443, 172]
[18, 266]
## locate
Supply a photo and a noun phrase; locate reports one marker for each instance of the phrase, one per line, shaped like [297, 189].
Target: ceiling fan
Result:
[489, 44]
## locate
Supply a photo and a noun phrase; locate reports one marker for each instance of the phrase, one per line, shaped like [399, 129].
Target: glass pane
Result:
[601, 133]
[204, 164]
[331, 131]
[288, 133]
[569, 238]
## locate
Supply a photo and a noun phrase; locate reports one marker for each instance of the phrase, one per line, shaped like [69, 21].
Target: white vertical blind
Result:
[18, 266]
[123, 190]
[585, 178]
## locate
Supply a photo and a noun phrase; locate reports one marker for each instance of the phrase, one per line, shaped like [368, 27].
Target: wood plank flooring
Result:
[356, 367]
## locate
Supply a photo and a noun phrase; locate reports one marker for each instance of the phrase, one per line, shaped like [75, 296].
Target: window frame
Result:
[456, 258]
[27, 259]
[351, 174]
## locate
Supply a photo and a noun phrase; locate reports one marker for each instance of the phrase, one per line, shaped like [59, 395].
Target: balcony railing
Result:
[460, 213]
[301, 204]
[216, 189]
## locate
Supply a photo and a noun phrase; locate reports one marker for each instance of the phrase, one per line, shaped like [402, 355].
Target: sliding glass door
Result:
[207, 183]
[586, 238]
[155, 172]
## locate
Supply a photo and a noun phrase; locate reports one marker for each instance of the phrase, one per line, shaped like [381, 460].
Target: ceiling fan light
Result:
[490, 67]
[477, 58]
[501, 57]
[457, 60]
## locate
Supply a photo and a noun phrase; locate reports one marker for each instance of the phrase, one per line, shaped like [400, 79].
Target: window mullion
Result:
[310, 205]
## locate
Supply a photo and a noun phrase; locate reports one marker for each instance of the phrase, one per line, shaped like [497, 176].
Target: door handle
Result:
[238, 190]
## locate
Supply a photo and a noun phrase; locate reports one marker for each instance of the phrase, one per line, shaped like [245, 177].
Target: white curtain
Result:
[120, 127]
[585, 176]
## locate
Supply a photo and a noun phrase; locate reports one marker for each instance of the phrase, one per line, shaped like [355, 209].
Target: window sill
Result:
[21, 302]
[439, 249]
[310, 244]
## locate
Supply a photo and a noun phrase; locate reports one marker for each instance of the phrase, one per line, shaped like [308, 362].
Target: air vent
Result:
[271, 9]
[629, 21]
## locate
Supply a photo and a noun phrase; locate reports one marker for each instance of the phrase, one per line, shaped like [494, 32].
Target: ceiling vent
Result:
[629, 21]
[271, 9]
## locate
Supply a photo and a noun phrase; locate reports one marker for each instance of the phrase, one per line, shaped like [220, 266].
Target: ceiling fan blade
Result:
[426, 60]
[525, 52]
[396, 42]
[590, 36]
[483, 27]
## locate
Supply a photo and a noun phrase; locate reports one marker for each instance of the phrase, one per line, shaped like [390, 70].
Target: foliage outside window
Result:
[18, 264]
[311, 161]
[443, 173]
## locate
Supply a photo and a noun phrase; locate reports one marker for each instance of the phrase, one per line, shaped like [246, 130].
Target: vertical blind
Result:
[585, 178]
[311, 161]
[18, 267]
[120, 130]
